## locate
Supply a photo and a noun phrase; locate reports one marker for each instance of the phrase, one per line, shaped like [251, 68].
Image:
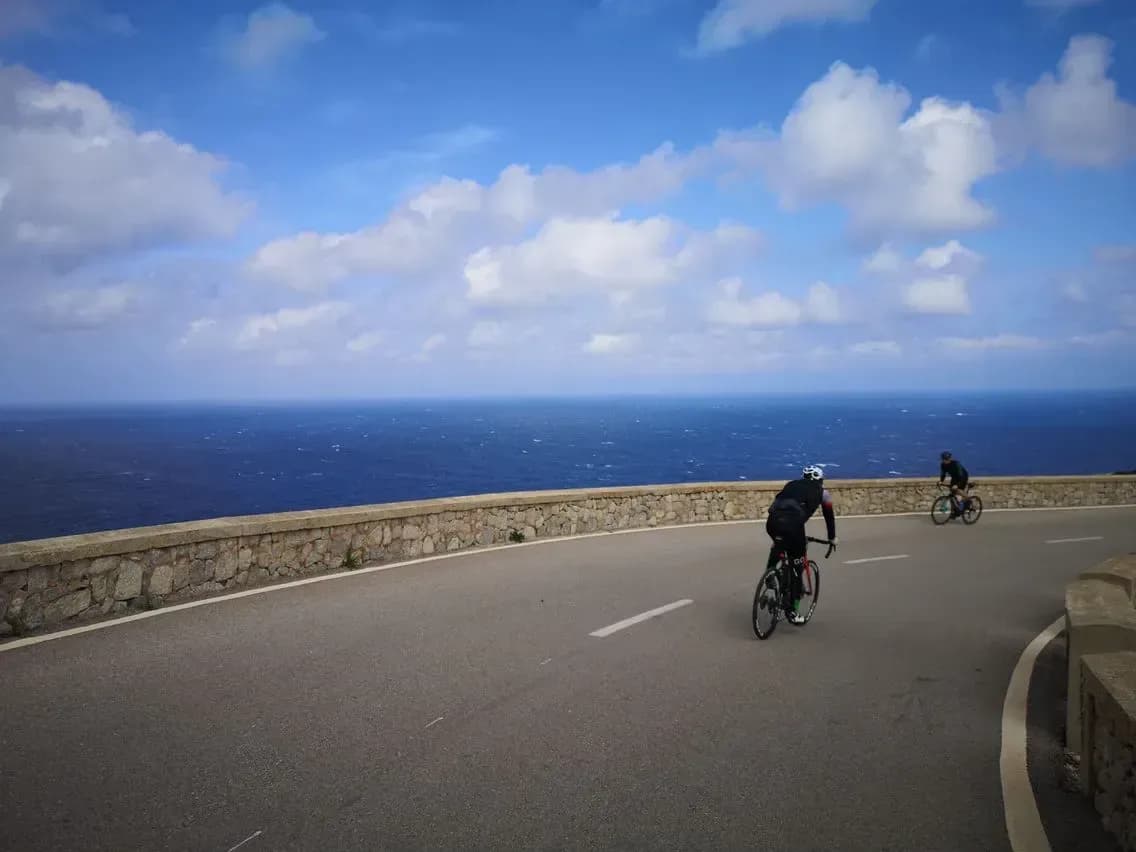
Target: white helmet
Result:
[812, 472]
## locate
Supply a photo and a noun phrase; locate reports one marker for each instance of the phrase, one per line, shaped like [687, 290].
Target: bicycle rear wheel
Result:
[810, 593]
[941, 510]
[973, 510]
[766, 604]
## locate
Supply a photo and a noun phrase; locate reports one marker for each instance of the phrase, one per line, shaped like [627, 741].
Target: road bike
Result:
[772, 600]
[945, 507]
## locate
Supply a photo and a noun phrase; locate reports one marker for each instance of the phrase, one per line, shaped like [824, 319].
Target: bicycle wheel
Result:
[810, 592]
[973, 510]
[941, 510]
[766, 604]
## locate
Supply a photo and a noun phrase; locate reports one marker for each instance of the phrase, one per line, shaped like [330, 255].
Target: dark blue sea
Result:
[78, 470]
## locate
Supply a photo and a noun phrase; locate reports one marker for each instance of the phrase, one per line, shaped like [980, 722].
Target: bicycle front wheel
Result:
[973, 510]
[941, 510]
[810, 592]
[766, 605]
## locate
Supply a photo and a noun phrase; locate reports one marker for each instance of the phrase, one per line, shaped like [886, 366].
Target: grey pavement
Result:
[461, 703]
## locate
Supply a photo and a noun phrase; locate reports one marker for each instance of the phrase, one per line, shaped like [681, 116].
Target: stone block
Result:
[129, 582]
[68, 606]
[162, 580]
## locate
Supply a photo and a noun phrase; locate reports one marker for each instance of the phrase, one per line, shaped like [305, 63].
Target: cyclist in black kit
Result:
[960, 478]
[791, 508]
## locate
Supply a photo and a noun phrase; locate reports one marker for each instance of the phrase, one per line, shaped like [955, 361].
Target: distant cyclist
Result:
[791, 509]
[952, 467]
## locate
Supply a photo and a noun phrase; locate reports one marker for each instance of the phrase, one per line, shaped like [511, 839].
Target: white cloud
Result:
[196, 330]
[602, 254]
[486, 333]
[80, 180]
[938, 294]
[365, 342]
[271, 33]
[772, 309]
[440, 226]
[847, 140]
[822, 304]
[884, 260]
[270, 328]
[876, 347]
[1113, 337]
[611, 344]
[953, 255]
[927, 47]
[1001, 341]
[1075, 118]
[732, 22]
[88, 309]
[429, 345]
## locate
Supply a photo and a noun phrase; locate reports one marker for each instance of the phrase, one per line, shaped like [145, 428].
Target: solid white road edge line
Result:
[1023, 822]
[877, 559]
[252, 836]
[635, 619]
[13, 644]
[1071, 540]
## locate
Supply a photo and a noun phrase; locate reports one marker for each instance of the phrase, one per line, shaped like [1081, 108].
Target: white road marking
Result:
[877, 559]
[1071, 540]
[435, 722]
[1023, 823]
[546, 662]
[635, 619]
[13, 644]
[252, 836]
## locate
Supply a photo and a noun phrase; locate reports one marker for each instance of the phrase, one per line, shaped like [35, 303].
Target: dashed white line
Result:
[1023, 823]
[877, 559]
[435, 722]
[546, 662]
[635, 619]
[1071, 540]
[252, 836]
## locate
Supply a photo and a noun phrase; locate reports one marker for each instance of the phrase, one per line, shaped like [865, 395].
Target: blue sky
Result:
[227, 200]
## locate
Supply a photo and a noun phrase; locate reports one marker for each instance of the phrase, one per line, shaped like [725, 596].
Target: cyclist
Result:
[950, 466]
[791, 508]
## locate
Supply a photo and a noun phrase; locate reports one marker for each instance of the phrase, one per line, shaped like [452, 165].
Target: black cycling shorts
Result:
[788, 530]
[960, 483]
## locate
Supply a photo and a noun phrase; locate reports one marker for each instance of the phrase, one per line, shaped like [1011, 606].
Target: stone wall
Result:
[1109, 732]
[51, 583]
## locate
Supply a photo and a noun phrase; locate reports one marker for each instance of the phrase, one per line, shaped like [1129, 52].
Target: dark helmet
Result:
[945, 455]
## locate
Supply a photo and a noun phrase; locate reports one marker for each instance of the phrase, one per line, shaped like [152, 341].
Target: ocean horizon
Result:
[80, 468]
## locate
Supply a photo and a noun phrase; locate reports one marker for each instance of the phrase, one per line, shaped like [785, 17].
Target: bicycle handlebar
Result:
[831, 546]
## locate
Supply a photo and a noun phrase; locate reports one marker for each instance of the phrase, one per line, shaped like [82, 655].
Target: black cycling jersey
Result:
[800, 498]
[955, 470]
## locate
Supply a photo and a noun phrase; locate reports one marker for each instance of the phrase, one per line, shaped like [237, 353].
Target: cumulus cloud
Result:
[80, 180]
[287, 324]
[941, 280]
[611, 344]
[270, 34]
[446, 221]
[601, 254]
[365, 342]
[1077, 117]
[88, 309]
[197, 330]
[884, 260]
[849, 140]
[772, 309]
[732, 22]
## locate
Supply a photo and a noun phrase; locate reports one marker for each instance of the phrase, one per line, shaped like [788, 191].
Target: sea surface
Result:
[72, 470]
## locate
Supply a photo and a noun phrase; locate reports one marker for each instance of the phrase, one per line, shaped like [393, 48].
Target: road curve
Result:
[463, 703]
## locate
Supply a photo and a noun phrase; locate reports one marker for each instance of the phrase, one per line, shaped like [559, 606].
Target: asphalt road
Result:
[462, 703]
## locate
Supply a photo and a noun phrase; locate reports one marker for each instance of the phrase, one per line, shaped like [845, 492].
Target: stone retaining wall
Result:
[51, 583]
[1108, 772]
